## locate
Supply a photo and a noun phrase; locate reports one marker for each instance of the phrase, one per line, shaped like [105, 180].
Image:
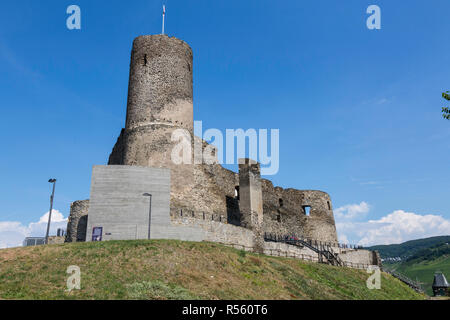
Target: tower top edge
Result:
[143, 39]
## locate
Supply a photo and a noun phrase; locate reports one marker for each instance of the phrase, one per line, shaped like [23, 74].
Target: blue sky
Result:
[358, 109]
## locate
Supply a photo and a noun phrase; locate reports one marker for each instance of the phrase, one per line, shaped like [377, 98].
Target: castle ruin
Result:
[237, 209]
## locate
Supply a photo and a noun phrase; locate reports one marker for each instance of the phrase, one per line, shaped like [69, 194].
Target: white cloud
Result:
[382, 101]
[397, 227]
[343, 238]
[352, 211]
[12, 233]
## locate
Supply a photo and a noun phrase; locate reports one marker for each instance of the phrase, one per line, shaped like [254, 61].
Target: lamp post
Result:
[149, 213]
[51, 208]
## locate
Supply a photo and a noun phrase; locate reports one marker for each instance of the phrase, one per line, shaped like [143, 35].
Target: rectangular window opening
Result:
[307, 210]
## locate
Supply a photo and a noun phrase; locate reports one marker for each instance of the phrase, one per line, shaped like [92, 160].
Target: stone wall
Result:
[160, 88]
[219, 232]
[285, 213]
[77, 224]
[55, 240]
[160, 101]
[283, 249]
[241, 238]
[359, 256]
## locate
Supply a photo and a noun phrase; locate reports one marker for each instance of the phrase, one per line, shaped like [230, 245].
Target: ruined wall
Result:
[56, 240]
[241, 238]
[283, 249]
[285, 213]
[160, 101]
[77, 224]
[359, 256]
[218, 232]
[250, 202]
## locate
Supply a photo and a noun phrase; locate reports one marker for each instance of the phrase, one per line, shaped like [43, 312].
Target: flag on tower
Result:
[164, 15]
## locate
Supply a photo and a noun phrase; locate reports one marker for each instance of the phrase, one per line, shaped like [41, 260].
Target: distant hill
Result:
[169, 269]
[409, 248]
[420, 259]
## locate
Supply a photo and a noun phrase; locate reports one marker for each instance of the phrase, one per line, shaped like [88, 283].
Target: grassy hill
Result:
[409, 248]
[420, 259]
[166, 269]
[424, 263]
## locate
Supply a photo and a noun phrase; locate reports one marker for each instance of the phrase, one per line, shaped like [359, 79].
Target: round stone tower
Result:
[160, 101]
[160, 88]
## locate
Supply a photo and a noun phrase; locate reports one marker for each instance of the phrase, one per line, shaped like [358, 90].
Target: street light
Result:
[51, 208]
[149, 213]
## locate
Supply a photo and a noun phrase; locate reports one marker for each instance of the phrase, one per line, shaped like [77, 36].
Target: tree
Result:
[446, 110]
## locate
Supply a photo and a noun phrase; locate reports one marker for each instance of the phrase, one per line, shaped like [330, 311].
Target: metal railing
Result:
[411, 283]
[323, 249]
[312, 242]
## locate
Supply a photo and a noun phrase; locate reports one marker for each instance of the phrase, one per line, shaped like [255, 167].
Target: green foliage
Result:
[409, 248]
[423, 271]
[446, 110]
[420, 259]
[429, 254]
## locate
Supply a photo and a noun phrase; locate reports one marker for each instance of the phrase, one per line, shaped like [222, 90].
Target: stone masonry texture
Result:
[160, 101]
[77, 224]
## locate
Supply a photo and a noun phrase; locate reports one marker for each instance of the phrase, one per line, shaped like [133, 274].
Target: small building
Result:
[440, 284]
[33, 241]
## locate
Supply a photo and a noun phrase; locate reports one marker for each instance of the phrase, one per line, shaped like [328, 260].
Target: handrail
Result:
[322, 249]
[411, 283]
[278, 238]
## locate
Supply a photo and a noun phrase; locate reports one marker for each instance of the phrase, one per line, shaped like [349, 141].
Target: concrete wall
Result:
[117, 203]
[118, 206]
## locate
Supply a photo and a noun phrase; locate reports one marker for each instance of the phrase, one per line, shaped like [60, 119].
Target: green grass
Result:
[168, 269]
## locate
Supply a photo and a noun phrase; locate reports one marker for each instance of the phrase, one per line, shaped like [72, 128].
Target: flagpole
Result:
[164, 15]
